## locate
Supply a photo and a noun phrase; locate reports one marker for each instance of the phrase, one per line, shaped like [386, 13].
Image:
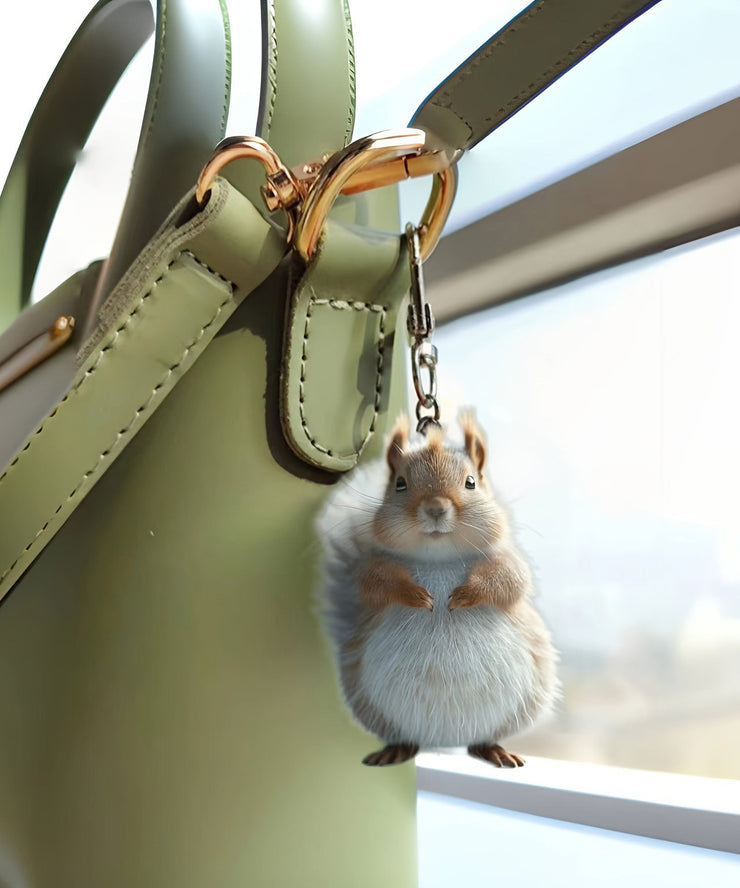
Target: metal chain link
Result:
[423, 353]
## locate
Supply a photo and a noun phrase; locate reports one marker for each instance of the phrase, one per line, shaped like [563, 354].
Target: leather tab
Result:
[339, 346]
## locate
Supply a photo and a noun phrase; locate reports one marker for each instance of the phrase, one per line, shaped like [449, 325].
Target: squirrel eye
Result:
[401, 483]
[470, 482]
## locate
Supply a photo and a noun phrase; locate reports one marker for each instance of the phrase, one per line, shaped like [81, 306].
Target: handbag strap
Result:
[187, 107]
[307, 94]
[528, 54]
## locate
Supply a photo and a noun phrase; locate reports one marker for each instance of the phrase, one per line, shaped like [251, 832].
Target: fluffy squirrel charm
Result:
[427, 603]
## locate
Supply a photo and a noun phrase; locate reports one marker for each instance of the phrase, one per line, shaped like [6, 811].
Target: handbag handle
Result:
[187, 104]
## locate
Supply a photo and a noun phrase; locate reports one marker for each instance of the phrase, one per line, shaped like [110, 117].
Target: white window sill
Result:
[674, 807]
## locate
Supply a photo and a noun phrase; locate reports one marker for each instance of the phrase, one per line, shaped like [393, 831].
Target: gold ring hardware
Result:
[240, 147]
[380, 159]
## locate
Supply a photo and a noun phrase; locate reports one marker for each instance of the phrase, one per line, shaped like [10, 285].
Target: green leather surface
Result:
[171, 716]
[171, 712]
[339, 346]
[184, 118]
[546, 39]
[307, 102]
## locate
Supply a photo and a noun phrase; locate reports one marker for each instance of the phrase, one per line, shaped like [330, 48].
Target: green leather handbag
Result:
[169, 712]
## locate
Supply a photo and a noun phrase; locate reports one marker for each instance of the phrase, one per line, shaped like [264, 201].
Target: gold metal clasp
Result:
[381, 159]
[377, 174]
[240, 147]
[37, 350]
[308, 192]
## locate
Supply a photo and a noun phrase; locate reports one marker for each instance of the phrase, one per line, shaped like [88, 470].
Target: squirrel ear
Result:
[475, 440]
[398, 442]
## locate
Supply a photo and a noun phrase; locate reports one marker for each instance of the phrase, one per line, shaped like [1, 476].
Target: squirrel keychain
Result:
[425, 598]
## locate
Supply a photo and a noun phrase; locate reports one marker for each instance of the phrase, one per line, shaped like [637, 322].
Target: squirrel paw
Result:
[417, 596]
[464, 596]
[394, 754]
[496, 755]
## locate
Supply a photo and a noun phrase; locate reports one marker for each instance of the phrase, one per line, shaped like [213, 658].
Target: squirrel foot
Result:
[496, 755]
[393, 754]
[465, 596]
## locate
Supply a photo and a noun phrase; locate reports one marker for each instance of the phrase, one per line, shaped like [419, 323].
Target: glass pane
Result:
[614, 432]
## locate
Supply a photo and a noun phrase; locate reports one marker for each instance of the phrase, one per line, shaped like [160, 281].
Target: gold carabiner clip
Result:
[376, 160]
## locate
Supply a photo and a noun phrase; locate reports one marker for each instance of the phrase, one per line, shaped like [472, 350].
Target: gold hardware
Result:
[239, 147]
[308, 192]
[275, 191]
[37, 350]
[376, 175]
[381, 159]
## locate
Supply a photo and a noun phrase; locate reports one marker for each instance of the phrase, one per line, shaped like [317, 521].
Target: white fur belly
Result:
[447, 678]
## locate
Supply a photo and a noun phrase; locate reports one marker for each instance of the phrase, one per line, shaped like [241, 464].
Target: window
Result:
[614, 432]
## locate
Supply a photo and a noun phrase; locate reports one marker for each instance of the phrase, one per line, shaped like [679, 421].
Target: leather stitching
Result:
[89, 372]
[350, 125]
[160, 73]
[272, 54]
[446, 97]
[573, 55]
[342, 305]
[545, 78]
[144, 407]
[228, 59]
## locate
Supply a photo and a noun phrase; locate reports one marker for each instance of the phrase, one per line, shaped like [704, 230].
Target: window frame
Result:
[699, 811]
[672, 188]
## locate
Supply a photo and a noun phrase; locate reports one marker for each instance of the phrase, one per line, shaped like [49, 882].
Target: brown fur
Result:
[475, 441]
[434, 473]
[502, 580]
[398, 442]
[383, 583]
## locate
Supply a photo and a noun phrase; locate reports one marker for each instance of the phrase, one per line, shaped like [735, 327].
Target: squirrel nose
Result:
[437, 506]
